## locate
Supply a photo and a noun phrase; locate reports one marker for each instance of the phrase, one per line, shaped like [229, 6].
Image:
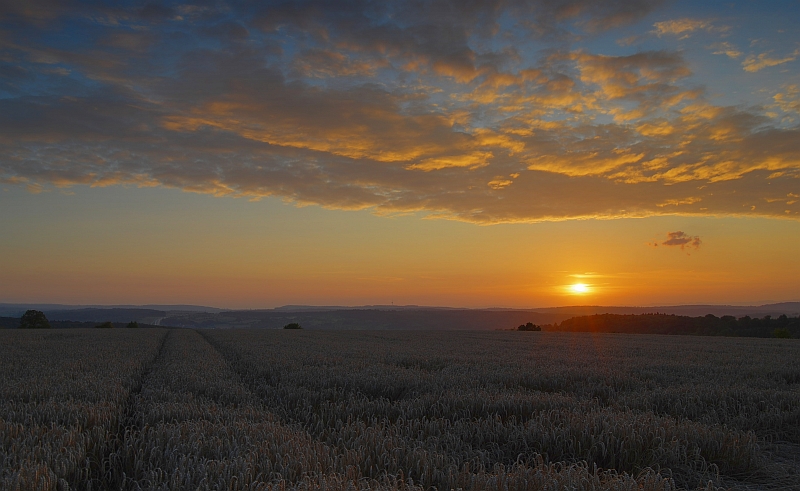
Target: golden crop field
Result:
[164, 409]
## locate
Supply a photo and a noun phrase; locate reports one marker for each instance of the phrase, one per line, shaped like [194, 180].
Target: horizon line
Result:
[176, 306]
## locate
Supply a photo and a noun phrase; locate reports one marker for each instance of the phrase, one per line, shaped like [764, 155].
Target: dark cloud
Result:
[156, 12]
[682, 240]
[34, 10]
[438, 34]
[595, 16]
[329, 63]
[227, 31]
[132, 41]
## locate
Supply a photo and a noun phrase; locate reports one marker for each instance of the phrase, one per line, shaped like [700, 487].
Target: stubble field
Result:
[264, 409]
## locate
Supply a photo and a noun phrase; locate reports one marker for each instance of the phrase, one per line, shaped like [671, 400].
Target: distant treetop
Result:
[292, 325]
[34, 319]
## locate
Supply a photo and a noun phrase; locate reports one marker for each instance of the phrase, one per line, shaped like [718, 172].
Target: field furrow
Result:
[63, 400]
[198, 427]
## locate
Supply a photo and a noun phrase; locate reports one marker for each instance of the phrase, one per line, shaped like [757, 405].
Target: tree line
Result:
[35, 319]
[708, 325]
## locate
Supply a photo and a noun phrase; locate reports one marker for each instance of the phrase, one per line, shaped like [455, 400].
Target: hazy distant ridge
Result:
[370, 316]
[427, 318]
[17, 309]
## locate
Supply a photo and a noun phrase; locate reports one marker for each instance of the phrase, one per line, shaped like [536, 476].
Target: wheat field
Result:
[141, 409]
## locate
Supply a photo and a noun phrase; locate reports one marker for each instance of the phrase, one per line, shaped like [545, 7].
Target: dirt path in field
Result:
[147, 371]
[103, 473]
[195, 422]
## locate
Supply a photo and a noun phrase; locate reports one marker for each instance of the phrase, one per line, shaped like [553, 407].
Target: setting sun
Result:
[579, 288]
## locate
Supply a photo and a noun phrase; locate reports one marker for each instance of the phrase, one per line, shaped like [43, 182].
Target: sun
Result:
[579, 288]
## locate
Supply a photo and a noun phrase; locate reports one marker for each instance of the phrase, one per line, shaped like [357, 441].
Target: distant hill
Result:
[13, 323]
[104, 315]
[17, 309]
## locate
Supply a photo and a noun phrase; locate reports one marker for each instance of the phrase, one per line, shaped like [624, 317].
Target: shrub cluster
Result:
[34, 319]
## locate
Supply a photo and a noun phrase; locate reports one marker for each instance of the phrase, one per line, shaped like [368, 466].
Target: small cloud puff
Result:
[727, 49]
[682, 240]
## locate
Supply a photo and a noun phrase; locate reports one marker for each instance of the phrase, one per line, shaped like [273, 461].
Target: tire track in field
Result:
[106, 471]
[350, 452]
[201, 426]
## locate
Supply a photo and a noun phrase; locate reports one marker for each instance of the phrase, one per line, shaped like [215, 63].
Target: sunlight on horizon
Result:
[579, 289]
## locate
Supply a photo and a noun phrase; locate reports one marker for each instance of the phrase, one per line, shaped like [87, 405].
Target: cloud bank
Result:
[487, 112]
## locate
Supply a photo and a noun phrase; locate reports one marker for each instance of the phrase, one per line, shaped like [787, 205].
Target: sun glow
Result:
[579, 288]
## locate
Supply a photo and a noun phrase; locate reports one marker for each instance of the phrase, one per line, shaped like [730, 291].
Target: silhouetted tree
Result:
[530, 326]
[105, 325]
[133, 324]
[292, 325]
[781, 332]
[34, 319]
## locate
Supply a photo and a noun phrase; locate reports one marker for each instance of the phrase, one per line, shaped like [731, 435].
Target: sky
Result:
[484, 153]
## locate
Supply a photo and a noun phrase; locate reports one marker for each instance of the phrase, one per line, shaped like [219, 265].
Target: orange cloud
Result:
[680, 27]
[500, 182]
[328, 63]
[656, 128]
[648, 79]
[472, 160]
[789, 100]
[679, 202]
[727, 49]
[584, 164]
[754, 63]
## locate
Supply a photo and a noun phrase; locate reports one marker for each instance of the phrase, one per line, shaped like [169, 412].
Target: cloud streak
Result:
[680, 27]
[755, 63]
[447, 110]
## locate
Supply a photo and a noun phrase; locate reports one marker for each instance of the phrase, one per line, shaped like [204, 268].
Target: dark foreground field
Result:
[266, 409]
